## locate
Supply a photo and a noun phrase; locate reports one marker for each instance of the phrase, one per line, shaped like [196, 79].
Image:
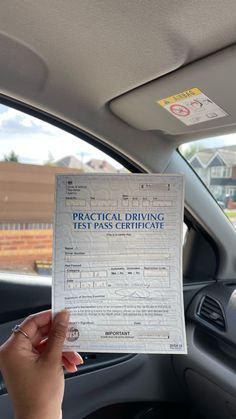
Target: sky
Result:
[35, 141]
[221, 141]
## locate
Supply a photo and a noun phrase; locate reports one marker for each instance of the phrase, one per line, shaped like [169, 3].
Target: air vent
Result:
[210, 310]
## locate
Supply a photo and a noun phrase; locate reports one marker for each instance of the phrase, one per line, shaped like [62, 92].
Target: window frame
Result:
[80, 134]
[74, 130]
[221, 172]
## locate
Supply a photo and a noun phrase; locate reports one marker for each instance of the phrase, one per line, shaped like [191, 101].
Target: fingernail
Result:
[80, 359]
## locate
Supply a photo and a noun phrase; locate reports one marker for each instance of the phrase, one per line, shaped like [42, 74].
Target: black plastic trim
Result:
[191, 222]
[101, 361]
[112, 360]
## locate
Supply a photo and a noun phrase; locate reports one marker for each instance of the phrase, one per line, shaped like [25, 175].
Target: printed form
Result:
[118, 262]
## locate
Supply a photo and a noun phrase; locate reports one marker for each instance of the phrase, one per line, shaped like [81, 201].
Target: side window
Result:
[214, 161]
[31, 153]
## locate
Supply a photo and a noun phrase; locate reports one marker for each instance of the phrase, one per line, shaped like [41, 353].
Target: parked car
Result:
[221, 204]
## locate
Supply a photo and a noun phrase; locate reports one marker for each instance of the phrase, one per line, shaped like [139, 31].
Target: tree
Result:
[12, 156]
[50, 161]
[188, 150]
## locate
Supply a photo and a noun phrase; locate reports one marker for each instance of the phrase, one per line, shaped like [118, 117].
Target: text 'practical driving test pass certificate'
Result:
[118, 262]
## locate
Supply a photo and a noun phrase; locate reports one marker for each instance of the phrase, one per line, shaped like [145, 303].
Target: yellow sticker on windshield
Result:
[192, 107]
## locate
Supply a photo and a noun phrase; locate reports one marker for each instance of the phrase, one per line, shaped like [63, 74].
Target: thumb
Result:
[57, 336]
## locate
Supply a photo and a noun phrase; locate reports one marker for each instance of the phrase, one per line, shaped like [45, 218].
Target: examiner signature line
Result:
[133, 294]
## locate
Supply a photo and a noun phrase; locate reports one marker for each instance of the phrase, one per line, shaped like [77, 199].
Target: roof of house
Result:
[74, 162]
[210, 158]
[102, 166]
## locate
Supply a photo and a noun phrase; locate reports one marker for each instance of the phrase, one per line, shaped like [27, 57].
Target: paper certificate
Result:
[117, 262]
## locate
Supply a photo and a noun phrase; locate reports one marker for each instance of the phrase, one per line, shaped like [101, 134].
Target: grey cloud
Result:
[14, 127]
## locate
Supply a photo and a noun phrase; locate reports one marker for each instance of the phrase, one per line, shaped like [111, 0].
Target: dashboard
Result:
[208, 372]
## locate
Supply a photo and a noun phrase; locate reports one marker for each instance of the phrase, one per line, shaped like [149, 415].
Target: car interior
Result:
[97, 70]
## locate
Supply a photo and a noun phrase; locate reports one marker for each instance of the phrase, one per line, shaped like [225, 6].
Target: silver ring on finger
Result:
[18, 329]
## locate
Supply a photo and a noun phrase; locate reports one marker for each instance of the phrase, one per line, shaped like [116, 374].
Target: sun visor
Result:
[197, 97]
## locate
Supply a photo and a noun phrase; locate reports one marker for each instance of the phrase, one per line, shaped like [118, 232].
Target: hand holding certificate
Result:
[117, 262]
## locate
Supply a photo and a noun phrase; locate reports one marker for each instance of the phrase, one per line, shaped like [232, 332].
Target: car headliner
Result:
[72, 58]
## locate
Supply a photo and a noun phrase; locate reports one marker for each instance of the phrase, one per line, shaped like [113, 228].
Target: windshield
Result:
[214, 160]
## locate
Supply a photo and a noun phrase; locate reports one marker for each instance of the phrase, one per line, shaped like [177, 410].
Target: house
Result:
[217, 169]
[73, 162]
[101, 166]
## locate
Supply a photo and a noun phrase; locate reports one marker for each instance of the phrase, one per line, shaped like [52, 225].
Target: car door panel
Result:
[21, 295]
[211, 360]
[104, 379]
[110, 380]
